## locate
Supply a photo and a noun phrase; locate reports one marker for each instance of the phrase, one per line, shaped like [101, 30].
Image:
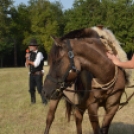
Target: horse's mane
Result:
[97, 32]
[54, 54]
[94, 32]
[81, 33]
[108, 35]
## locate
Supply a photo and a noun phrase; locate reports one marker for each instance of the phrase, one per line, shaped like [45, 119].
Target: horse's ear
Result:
[57, 41]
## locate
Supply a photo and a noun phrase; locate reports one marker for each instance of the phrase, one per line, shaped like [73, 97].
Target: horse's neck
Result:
[94, 61]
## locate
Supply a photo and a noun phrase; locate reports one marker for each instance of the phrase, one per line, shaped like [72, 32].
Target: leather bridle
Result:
[62, 83]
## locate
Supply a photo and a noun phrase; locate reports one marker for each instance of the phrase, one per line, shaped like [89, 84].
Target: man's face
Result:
[32, 48]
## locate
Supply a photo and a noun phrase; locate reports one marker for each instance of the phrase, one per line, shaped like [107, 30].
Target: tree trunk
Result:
[1, 62]
[15, 53]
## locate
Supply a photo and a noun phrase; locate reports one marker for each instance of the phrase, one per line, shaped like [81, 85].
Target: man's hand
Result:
[27, 56]
[28, 62]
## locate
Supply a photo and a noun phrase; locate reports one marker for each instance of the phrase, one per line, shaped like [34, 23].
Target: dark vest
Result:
[32, 68]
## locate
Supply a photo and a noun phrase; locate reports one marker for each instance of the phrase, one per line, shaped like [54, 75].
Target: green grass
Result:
[18, 116]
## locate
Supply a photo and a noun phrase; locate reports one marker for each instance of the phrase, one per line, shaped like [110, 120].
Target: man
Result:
[35, 62]
[126, 65]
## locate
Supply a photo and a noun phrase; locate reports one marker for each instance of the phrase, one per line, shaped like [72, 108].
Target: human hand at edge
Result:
[114, 59]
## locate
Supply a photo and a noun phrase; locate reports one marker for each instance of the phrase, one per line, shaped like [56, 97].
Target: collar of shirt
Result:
[35, 51]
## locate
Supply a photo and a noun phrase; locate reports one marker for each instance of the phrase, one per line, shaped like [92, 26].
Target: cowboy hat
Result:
[33, 42]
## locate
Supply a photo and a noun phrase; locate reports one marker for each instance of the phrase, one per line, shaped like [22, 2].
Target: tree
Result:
[83, 14]
[117, 15]
[46, 20]
[19, 26]
[5, 45]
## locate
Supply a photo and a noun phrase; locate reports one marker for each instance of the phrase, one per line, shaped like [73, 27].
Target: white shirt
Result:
[39, 58]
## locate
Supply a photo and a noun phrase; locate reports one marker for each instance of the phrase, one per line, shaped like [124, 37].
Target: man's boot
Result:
[33, 98]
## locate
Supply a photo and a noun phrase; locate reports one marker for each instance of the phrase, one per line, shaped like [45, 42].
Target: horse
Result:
[81, 56]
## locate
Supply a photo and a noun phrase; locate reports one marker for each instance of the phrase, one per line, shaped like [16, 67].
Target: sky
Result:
[66, 3]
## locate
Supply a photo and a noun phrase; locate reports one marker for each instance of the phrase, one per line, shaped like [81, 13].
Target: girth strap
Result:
[107, 85]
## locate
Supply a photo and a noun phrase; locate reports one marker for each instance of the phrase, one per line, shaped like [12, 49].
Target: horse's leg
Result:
[111, 108]
[78, 120]
[51, 114]
[93, 116]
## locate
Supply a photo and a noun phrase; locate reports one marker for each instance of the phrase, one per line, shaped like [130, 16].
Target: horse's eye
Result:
[58, 62]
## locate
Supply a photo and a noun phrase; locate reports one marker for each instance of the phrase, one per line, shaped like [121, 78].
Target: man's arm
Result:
[37, 61]
[28, 62]
[27, 56]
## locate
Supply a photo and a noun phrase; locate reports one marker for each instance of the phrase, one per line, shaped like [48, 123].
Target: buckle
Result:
[74, 68]
[62, 85]
[57, 90]
[71, 54]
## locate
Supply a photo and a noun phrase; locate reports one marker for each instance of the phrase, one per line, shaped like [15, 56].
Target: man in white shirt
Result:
[35, 62]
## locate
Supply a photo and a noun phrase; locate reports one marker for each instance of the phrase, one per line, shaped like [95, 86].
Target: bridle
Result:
[62, 83]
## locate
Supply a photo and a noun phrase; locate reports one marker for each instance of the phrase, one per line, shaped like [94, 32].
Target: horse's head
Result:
[63, 68]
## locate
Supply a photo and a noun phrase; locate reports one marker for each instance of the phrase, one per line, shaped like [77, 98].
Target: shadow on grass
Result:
[121, 128]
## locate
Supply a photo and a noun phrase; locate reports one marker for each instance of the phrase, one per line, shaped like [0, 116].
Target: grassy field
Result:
[18, 116]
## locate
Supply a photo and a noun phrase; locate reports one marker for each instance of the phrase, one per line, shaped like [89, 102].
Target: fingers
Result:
[27, 55]
[109, 55]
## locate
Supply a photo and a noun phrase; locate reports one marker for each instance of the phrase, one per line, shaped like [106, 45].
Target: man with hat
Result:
[35, 62]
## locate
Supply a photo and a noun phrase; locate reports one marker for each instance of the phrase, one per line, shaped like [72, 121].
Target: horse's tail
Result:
[69, 108]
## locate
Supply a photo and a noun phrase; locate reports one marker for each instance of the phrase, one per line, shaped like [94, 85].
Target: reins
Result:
[121, 104]
[127, 100]
[63, 84]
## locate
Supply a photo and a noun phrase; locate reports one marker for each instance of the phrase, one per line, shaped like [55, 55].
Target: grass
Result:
[18, 116]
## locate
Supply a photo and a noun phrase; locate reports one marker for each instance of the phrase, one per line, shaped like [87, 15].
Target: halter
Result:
[62, 84]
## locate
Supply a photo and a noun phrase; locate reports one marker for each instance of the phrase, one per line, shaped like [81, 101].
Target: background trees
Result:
[4, 30]
[41, 19]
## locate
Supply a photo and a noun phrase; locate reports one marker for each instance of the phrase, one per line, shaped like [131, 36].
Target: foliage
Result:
[45, 21]
[5, 45]
[4, 25]
[40, 19]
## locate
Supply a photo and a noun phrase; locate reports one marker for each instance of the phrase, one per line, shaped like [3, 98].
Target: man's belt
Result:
[37, 73]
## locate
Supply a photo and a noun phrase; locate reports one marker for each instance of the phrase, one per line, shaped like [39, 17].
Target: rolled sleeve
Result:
[38, 59]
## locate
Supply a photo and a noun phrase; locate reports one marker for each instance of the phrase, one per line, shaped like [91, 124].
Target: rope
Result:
[107, 85]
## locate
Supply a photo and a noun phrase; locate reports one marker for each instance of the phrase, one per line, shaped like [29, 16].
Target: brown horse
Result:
[70, 56]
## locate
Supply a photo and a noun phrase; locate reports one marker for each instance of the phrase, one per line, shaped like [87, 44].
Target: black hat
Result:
[33, 42]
